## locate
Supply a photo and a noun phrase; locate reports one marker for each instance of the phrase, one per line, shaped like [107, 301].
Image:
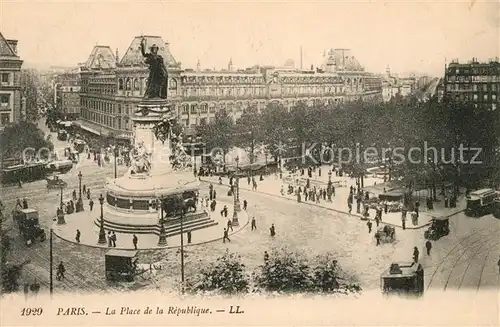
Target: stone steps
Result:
[193, 222]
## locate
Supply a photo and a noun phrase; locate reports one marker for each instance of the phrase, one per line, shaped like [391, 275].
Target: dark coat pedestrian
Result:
[189, 236]
[226, 236]
[369, 224]
[428, 247]
[91, 204]
[415, 254]
[77, 237]
[245, 203]
[272, 230]
[254, 224]
[134, 241]
[377, 237]
[113, 239]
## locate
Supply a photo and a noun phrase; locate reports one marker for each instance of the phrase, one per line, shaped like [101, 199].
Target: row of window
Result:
[474, 71]
[480, 79]
[106, 120]
[472, 87]
[136, 84]
[475, 97]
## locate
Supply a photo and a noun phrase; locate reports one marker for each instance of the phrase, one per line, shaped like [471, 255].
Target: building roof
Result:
[101, 57]
[342, 59]
[121, 253]
[133, 56]
[5, 49]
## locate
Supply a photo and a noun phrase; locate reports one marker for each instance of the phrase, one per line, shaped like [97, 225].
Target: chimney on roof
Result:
[198, 65]
[230, 65]
[13, 45]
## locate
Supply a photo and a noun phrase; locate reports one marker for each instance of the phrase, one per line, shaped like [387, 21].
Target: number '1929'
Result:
[31, 311]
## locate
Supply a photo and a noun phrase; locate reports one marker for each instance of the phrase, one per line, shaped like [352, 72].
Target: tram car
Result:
[480, 202]
[120, 265]
[24, 173]
[29, 228]
[403, 278]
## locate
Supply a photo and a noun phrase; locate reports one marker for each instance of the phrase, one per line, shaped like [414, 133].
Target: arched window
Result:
[173, 84]
[128, 85]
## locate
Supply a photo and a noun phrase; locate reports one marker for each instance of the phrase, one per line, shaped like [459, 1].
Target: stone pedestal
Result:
[130, 198]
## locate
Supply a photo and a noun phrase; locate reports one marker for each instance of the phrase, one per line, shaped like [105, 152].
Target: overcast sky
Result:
[409, 36]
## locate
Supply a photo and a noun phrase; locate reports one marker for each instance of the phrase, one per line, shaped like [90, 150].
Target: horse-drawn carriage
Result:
[439, 227]
[29, 227]
[55, 182]
[386, 234]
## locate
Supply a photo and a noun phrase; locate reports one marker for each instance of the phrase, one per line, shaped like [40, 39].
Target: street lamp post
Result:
[183, 207]
[60, 212]
[237, 206]
[162, 241]
[79, 203]
[80, 183]
[102, 233]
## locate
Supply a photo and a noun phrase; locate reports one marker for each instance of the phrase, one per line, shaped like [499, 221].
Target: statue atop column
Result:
[158, 75]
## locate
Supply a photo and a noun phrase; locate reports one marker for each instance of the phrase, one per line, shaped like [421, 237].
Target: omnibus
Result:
[480, 202]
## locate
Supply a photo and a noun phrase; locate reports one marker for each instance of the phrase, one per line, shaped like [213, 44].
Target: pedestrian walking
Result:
[266, 257]
[349, 205]
[377, 220]
[84, 188]
[134, 241]
[369, 224]
[229, 225]
[272, 230]
[60, 271]
[189, 236]
[226, 236]
[77, 237]
[215, 194]
[428, 246]
[245, 203]
[113, 239]
[88, 194]
[91, 204]
[415, 254]
[377, 237]
[254, 224]
[110, 240]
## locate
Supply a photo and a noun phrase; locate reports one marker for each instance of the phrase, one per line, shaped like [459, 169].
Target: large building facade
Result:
[10, 88]
[474, 82]
[111, 87]
[67, 94]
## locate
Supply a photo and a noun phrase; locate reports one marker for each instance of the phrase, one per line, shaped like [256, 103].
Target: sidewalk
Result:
[272, 186]
[90, 232]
